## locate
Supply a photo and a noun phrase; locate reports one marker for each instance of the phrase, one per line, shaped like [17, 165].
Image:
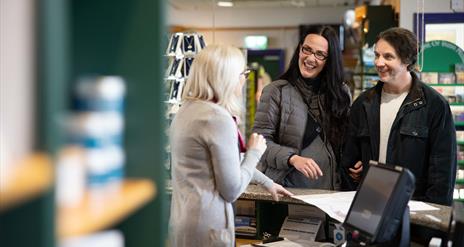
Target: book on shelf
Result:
[245, 225]
[459, 67]
[446, 78]
[429, 77]
[460, 77]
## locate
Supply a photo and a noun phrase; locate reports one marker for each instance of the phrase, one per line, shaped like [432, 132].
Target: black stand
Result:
[402, 239]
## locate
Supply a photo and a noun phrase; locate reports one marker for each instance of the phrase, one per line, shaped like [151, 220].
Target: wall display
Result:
[200, 42]
[176, 90]
[189, 44]
[446, 59]
[175, 43]
[181, 50]
[175, 68]
[186, 68]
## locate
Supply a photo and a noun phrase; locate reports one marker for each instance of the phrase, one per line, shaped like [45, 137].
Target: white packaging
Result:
[115, 173]
[70, 176]
[96, 129]
[113, 238]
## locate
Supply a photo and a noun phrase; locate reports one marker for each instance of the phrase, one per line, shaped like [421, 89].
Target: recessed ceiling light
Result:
[225, 4]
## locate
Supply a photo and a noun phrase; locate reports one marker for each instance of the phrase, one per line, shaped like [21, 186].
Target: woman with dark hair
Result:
[303, 115]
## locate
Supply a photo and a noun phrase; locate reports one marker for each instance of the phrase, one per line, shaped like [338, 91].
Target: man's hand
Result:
[355, 173]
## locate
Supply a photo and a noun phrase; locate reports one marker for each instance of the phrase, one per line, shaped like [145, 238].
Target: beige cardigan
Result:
[207, 175]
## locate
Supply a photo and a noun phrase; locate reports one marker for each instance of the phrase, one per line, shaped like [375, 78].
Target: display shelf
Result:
[28, 179]
[457, 104]
[461, 163]
[459, 123]
[94, 214]
[459, 181]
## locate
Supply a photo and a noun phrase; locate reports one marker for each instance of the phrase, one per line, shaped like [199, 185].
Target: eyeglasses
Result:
[320, 55]
[246, 73]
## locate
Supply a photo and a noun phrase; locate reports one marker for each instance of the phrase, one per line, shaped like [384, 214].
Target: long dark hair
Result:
[336, 99]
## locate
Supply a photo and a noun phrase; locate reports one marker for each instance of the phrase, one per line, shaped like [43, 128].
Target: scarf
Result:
[241, 142]
[309, 90]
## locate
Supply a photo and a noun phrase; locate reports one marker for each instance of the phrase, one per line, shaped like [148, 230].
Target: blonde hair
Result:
[215, 76]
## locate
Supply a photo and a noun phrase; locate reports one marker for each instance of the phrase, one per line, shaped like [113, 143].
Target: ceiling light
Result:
[225, 4]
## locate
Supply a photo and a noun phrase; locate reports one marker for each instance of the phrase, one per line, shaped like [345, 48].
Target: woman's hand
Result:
[355, 173]
[278, 191]
[307, 166]
[258, 142]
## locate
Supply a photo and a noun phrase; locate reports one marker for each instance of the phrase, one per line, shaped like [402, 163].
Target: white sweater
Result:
[207, 175]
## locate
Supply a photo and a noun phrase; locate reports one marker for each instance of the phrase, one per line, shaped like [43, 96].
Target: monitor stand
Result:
[402, 239]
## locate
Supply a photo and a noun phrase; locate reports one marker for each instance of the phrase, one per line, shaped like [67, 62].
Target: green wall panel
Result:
[126, 38]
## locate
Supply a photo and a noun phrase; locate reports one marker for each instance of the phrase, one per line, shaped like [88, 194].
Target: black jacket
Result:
[422, 139]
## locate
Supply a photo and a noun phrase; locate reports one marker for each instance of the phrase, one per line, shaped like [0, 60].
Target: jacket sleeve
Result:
[231, 177]
[267, 123]
[351, 152]
[442, 158]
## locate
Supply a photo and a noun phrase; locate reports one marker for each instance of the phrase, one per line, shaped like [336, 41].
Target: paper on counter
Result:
[337, 205]
[420, 206]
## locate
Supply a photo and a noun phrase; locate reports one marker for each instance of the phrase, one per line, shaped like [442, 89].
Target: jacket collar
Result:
[415, 93]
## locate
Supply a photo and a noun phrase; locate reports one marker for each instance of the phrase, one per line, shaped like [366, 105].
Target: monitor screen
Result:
[370, 201]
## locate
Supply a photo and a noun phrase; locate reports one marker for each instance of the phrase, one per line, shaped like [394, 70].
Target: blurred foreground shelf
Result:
[25, 181]
[94, 214]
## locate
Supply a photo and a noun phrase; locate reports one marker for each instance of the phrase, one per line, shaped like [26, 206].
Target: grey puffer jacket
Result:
[281, 118]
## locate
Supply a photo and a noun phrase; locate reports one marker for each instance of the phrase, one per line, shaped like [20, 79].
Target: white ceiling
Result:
[202, 4]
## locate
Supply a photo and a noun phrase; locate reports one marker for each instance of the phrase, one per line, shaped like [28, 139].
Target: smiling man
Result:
[402, 121]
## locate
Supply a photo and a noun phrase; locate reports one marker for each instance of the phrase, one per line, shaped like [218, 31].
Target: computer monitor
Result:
[379, 203]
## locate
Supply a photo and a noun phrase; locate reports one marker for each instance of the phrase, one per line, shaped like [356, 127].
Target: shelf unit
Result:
[459, 184]
[94, 214]
[118, 38]
[180, 53]
[27, 180]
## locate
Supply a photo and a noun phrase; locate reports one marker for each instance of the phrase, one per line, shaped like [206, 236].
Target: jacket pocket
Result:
[362, 132]
[420, 132]
[412, 149]
[220, 238]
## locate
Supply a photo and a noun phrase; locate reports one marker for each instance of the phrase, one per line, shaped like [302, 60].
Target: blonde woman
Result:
[207, 175]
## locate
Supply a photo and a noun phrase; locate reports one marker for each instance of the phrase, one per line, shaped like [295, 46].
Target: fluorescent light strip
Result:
[225, 4]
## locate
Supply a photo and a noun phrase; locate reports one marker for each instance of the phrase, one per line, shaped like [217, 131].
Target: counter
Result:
[434, 219]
